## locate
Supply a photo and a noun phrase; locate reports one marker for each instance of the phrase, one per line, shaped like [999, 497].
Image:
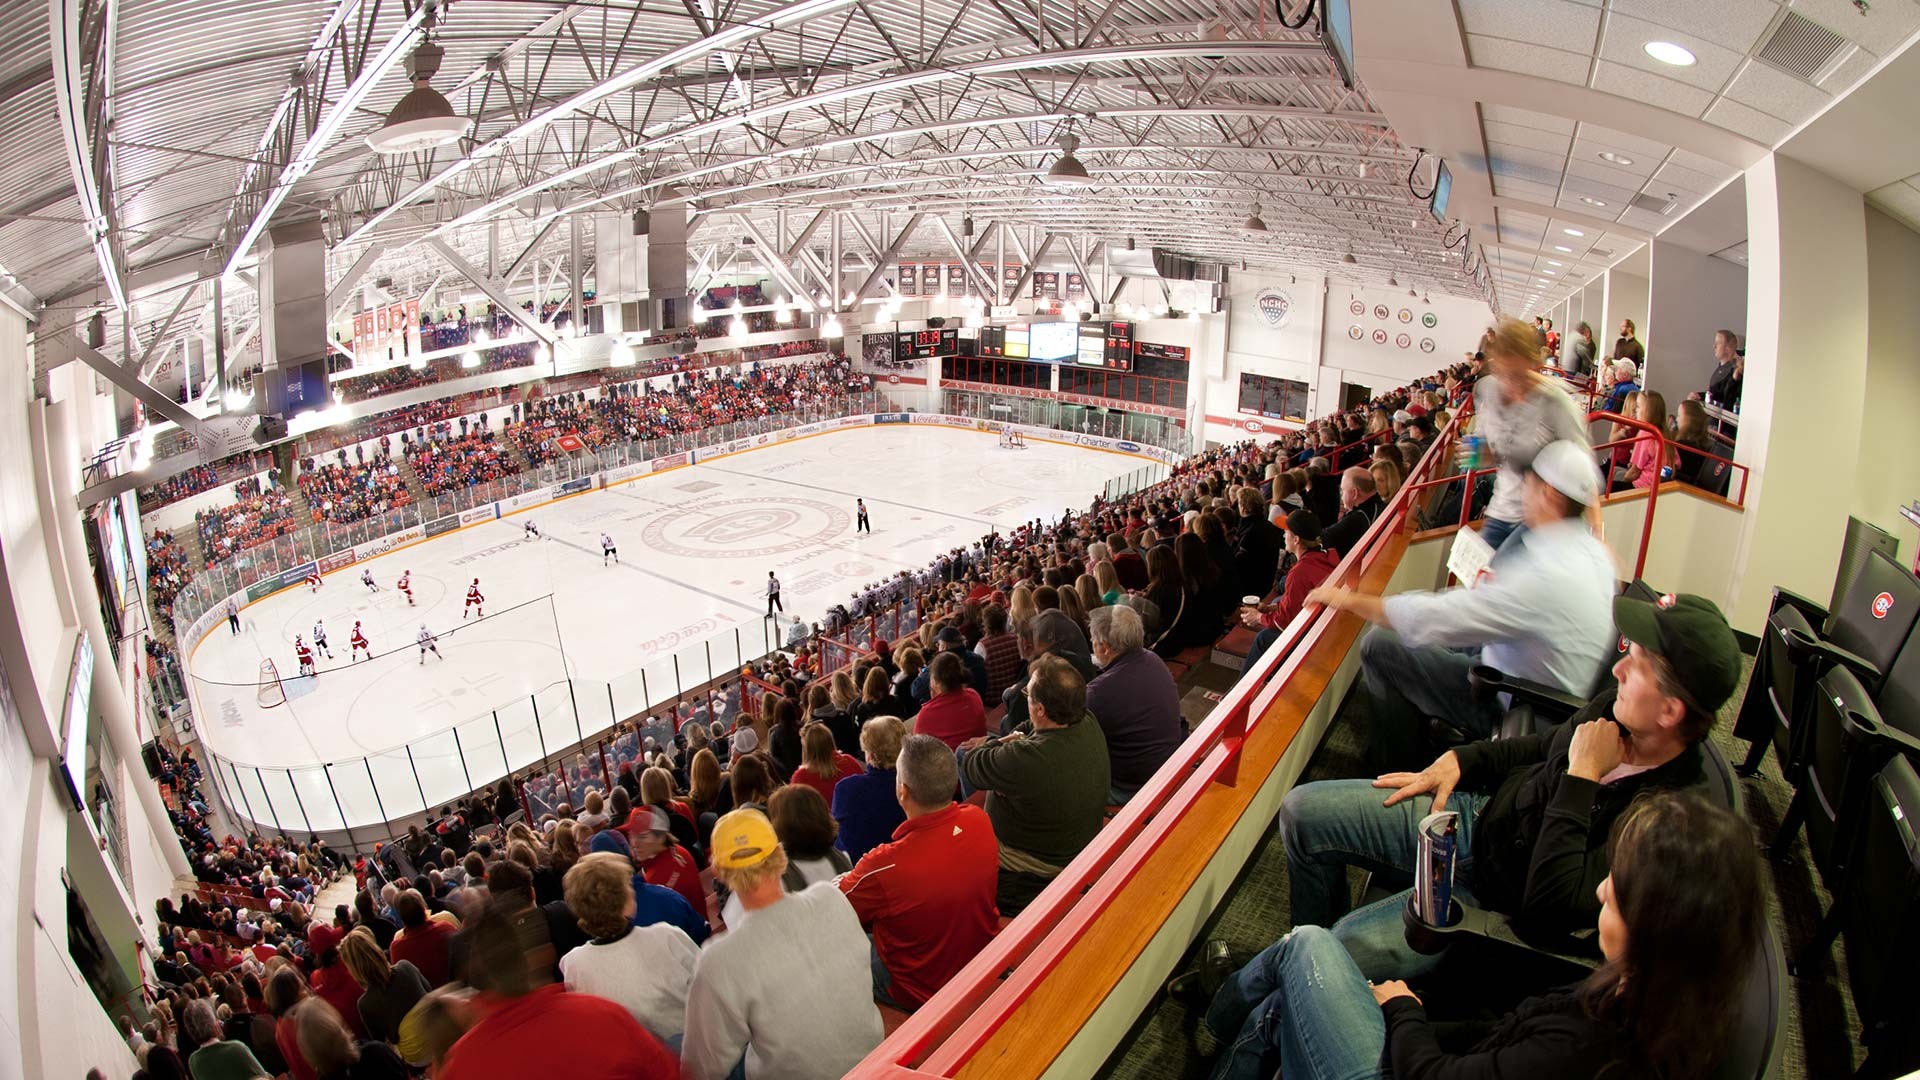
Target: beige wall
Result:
[1889, 476]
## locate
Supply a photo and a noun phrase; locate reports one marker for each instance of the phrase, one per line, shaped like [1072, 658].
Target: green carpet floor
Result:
[1821, 1036]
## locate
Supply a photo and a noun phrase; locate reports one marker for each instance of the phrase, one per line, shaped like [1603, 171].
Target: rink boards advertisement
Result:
[330, 563]
[524, 500]
[479, 513]
[573, 487]
[443, 525]
[390, 541]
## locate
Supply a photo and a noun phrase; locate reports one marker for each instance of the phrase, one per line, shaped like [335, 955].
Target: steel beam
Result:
[496, 292]
[82, 41]
[969, 259]
[884, 259]
[777, 263]
[342, 289]
[126, 380]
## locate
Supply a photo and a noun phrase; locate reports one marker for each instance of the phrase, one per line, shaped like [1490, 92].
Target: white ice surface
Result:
[696, 544]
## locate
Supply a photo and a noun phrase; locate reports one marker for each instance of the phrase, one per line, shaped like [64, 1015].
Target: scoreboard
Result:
[1107, 345]
[925, 344]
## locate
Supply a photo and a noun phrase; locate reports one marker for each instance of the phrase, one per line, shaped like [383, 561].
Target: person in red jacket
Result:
[822, 764]
[928, 897]
[330, 981]
[954, 713]
[529, 1026]
[661, 861]
[1313, 565]
[422, 940]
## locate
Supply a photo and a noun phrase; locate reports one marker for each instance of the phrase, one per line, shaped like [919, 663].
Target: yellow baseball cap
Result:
[741, 839]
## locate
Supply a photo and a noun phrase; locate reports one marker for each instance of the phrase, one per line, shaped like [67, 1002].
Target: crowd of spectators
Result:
[259, 513]
[446, 461]
[344, 490]
[168, 571]
[441, 368]
[192, 481]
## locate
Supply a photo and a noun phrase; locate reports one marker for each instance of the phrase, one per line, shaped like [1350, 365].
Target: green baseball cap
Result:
[1692, 636]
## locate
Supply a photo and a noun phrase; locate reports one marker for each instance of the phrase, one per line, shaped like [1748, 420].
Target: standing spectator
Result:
[928, 897]
[422, 941]
[864, 806]
[646, 969]
[1580, 351]
[1047, 785]
[1627, 346]
[1730, 370]
[531, 1027]
[787, 992]
[1134, 699]
[1516, 412]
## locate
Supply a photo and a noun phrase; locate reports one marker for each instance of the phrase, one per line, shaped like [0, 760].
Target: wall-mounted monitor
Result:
[1054, 342]
[1442, 190]
[1336, 33]
[75, 719]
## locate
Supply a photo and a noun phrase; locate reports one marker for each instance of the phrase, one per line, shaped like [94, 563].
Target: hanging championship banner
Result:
[384, 328]
[956, 279]
[1076, 287]
[931, 279]
[909, 279]
[1046, 285]
[1009, 277]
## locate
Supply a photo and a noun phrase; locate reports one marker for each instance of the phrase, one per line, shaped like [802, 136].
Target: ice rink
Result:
[695, 545]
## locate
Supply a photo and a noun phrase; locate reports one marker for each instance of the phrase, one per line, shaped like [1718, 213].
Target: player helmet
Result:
[296, 639]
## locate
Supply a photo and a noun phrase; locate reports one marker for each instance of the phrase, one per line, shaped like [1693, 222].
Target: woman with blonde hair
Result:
[1516, 413]
[1386, 478]
[1088, 589]
[564, 847]
[390, 991]
[330, 1048]
[1020, 606]
[1073, 607]
[1108, 580]
[595, 815]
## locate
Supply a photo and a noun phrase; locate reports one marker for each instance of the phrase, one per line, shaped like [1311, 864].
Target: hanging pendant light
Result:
[423, 118]
[1067, 170]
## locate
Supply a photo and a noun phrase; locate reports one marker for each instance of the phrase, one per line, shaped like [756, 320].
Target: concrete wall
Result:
[1889, 473]
[1626, 298]
[1693, 295]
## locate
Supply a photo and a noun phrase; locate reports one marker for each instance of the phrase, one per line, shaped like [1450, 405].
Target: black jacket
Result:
[1724, 386]
[1540, 843]
[1550, 1035]
[1342, 535]
[1323, 497]
[1256, 556]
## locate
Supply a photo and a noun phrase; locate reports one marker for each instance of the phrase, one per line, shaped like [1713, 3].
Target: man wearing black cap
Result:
[950, 639]
[1313, 564]
[1536, 810]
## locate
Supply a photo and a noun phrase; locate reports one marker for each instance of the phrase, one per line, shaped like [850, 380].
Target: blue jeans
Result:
[1329, 825]
[1300, 1009]
[1405, 686]
[1262, 641]
[1495, 532]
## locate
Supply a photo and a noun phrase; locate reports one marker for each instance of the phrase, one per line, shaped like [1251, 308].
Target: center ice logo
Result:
[746, 528]
[744, 525]
[1275, 307]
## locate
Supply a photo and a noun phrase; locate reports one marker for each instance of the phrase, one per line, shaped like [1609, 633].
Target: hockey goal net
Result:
[1012, 440]
[271, 692]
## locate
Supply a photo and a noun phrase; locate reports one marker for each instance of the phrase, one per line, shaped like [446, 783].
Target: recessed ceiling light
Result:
[1591, 201]
[1563, 247]
[1617, 159]
[1573, 232]
[1668, 53]
[1550, 262]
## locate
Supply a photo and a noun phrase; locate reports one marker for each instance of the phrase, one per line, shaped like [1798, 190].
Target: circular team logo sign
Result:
[1405, 315]
[1253, 425]
[1275, 307]
[1404, 340]
[894, 379]
[1426, 344]
[1882, 604]
[1355, 332]
[1380, 312]
[1358, 308]
[746, 528]
[1429, 320]
[1379, 337]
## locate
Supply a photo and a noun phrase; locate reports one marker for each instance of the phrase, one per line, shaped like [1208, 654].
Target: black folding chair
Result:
[1533, 706]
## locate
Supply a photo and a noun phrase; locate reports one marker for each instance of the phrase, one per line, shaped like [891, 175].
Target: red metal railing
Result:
[963, 1015]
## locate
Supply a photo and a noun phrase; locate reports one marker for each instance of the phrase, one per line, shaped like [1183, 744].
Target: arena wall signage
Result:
[584, 483]
[442, 525]
[892, 418]
[525, 499]
[479, 513]
[330, 563]
[390, 541]
[670, 461]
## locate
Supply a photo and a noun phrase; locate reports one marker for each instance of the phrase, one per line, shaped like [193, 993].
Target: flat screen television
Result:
[1336, 33]
[1442, 190]
[1054, 342]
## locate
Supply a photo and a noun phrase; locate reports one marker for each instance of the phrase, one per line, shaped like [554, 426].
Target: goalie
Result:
[1012, 440]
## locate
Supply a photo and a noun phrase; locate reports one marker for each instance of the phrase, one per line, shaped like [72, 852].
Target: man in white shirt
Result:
[1542, 613]
[788, 994]
[648, 969]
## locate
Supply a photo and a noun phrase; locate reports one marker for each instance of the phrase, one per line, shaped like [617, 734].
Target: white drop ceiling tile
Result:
[1741, 120]
[1735, 24]
[1508, 114]
[1609, 212]
[1776, 93]
[1579, 183]
[1506, 216]
[1625, 43]
[1525, 59]
[1650, 89]
[1522, 171]
[1532, 138]
[1704, 165]
[1586, 161]
[1541, 160]
[1512, 187]
[1614, 139]
[1881, 30]
[1645, 220]
[1616, 246]
[1851, 70]
[1672, 177]
[1552, 24]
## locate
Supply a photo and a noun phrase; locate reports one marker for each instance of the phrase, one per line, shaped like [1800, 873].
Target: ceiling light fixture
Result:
[1066, 170]
[1573, 232]
[1253, 222]
[1617, 159]
[1563, 247]
[1348, 258]
[1591, 201]
[1669, 53]
[423, 118]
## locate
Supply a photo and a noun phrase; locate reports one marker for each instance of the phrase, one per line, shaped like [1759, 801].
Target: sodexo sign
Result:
[1275, 307]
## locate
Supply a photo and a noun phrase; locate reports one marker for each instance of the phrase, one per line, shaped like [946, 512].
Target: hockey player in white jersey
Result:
[320, 638]
[425, 638]
[607, 550]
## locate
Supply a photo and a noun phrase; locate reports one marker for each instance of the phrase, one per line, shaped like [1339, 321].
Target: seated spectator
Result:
[215, 1057]
[786, 993]
[1537, 809]
[529, 1026]
[1644, 462]
[1046, 784]
[662, 861]
[336, 1053]
[1541, 614]
[656, 903]
[1360, 504]
[953, 713]
[285, 992]
[421, 941]
[951, 640]
[646, 969]
[1313, 565]
[1000, 650]
[1134, 699]
[1678, 919]
[388, 991]
[928, 896]
[1625, 374]
[806, 831]
[864, 806]
[1692, 441]
[822, 764]
[1256, 546]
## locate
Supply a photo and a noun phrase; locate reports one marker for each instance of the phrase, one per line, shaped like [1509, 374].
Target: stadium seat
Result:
[1846, 742]
[1881, 922]
[1713, 477]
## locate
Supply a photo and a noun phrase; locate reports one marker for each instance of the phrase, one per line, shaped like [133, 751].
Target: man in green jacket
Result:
[1047, 782]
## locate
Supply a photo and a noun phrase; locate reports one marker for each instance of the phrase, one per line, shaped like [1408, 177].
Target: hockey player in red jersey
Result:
[304, 655]
[359, 642]
[313, 581]
[474, 600]
[405, 585]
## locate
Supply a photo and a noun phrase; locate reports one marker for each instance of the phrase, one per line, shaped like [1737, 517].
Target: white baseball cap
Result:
[1568, 468]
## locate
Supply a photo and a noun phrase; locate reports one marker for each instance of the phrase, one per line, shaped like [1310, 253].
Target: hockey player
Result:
[607, 550]
[405, 585]
[366, 578]
[529, 531]
[426, 644]
[358, 640]
[313, 580]
[320, 638]
[303, 655]
[474, 600]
